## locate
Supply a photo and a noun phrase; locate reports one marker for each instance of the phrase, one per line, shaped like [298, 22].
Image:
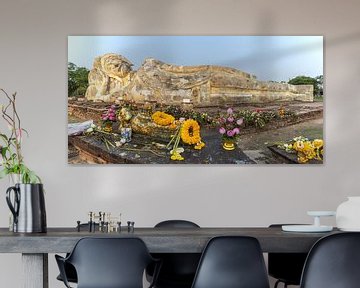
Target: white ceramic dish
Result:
[306, 228]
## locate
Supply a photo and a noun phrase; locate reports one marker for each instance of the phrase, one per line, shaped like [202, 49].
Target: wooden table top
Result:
[158, 240]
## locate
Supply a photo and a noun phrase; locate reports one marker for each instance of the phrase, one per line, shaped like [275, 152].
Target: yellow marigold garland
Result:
[190, 132]
[162, 118]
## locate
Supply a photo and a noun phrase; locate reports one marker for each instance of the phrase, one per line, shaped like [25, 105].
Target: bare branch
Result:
[14, 121]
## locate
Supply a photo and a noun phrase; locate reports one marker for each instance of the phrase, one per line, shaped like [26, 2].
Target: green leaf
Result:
[28, 176]
[15, 169]
[26, 132]
[4, 173]
[33, 178]
[3, 151]
[5, 138]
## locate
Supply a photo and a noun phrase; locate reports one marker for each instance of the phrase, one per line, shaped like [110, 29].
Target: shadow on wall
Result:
[330, 43]
[120, 18]
[267, 26]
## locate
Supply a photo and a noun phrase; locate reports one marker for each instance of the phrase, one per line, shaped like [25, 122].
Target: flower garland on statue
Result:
[188, 131]
[306, 150]
[162, 118]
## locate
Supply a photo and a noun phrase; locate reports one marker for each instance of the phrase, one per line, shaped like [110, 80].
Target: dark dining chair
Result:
[286, 267]
[333, 262]
[232, 262]
[70, 271]
[178, 269]
[108, 263]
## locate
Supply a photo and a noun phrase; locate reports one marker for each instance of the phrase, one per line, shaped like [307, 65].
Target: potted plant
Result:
[230, 129]
[26, 197]
[12, 161]
[108, 118]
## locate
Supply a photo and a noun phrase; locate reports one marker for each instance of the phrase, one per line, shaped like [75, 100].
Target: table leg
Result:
[35, 270]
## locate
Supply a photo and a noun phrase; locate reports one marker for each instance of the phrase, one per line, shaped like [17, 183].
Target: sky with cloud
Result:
[277, 58]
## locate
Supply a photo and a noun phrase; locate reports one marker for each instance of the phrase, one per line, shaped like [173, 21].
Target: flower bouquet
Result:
[108, 118]
[230, 129]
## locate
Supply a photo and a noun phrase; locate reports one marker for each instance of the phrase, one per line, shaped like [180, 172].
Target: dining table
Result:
[35, 247]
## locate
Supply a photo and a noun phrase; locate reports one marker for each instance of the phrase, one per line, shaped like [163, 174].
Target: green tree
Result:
[320, 84]
[305, 80]
[77, 80]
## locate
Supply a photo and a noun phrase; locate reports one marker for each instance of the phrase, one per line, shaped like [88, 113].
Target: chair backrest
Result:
[177, 268]
[232, 262]
[176, 224]
[333, 262]
[110, 262]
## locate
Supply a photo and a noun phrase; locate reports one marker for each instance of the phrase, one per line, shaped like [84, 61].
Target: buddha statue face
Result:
[115, 66]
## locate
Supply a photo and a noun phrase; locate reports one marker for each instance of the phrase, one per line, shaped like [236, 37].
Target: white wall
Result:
[33, 62]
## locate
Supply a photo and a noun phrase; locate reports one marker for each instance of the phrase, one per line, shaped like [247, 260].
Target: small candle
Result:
[186, 100]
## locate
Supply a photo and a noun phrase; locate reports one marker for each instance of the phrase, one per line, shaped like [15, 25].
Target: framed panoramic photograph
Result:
[195, 100]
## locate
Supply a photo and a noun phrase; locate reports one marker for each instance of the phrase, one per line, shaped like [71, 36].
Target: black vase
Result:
[28, 208]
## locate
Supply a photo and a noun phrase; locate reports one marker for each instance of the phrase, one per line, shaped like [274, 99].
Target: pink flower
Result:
[222, 130]
[111, 118]
[230, 111]
[230, 133]
[240, 121]
[230, 119]
[236, 131]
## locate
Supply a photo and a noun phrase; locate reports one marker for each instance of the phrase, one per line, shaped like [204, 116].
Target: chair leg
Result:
[278, 282]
